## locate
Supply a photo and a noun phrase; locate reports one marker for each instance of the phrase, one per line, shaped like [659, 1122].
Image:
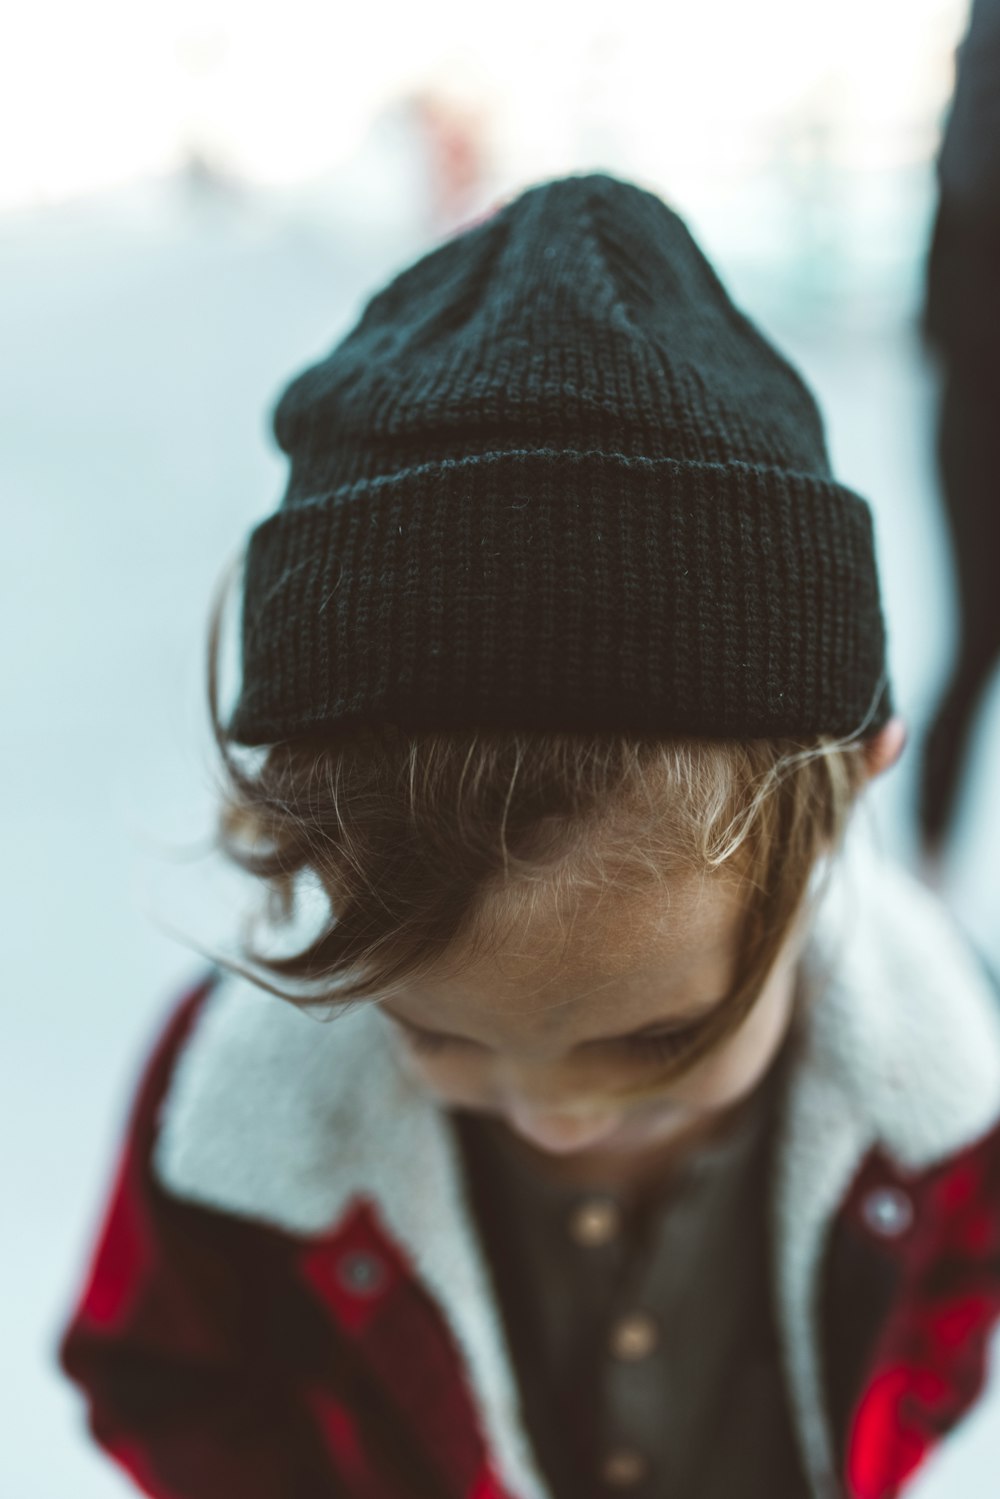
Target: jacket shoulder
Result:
[912, 1303]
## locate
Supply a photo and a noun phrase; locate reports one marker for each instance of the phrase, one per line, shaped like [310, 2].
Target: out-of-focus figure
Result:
[454, 138]
[961, 319]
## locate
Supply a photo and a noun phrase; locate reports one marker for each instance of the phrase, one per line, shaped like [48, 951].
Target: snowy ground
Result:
[144, 338]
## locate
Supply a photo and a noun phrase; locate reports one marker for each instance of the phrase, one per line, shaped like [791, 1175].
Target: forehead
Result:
[597, 954]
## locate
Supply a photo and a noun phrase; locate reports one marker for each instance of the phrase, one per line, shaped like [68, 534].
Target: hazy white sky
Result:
[97, 94]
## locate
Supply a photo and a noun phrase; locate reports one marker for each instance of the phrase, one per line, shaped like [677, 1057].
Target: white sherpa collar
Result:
[278, 1116]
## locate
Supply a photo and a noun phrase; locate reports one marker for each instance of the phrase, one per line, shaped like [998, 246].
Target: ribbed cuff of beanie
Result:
[571, 591]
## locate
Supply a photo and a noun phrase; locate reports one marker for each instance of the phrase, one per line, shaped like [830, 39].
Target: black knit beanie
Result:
[553, 479]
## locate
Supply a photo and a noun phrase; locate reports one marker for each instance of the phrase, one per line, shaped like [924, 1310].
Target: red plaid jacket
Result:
[287, 1298]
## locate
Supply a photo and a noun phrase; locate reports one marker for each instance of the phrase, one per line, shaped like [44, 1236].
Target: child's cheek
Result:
[453, 1078]
[731, 1072]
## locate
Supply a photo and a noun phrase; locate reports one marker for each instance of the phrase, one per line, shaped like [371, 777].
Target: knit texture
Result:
[554, 479]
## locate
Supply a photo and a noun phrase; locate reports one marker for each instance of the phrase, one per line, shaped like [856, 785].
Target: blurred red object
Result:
[457, 157]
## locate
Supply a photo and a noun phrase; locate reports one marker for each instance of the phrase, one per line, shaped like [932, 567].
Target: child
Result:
[624, 1130]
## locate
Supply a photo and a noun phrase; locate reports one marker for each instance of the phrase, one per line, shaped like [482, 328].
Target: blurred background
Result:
[195, 201]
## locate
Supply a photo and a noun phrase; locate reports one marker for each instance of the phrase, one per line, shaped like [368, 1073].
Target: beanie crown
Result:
[523, 328]
[554, 478]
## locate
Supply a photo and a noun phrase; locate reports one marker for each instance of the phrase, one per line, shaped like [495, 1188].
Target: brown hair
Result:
[429, 846]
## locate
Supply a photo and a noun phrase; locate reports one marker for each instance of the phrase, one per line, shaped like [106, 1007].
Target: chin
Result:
[649, 1132]
[559, 1150]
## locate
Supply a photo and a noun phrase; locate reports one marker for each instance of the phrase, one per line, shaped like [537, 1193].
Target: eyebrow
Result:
[690, 1020]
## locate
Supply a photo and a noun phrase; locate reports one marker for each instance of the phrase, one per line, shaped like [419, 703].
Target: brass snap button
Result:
[634, 1336]
[595, 1221]
[623, 1467]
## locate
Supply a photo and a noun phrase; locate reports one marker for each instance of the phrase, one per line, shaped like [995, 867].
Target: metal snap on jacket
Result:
[361, 1272]
[634, 1336]
[624, 1467]
[888, 1211]
[595, 1221]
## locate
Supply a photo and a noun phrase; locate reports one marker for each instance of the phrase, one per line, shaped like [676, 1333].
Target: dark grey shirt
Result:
[643, 1340]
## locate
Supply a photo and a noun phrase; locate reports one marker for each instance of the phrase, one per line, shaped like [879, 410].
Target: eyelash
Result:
[642, 1048]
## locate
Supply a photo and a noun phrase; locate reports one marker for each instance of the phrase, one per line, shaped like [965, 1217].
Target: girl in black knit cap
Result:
[622, 1128]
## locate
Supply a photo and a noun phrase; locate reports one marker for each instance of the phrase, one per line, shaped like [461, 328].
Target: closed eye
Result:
[656, 1048]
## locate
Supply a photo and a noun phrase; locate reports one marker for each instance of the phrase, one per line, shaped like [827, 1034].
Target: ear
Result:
[884, 748]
